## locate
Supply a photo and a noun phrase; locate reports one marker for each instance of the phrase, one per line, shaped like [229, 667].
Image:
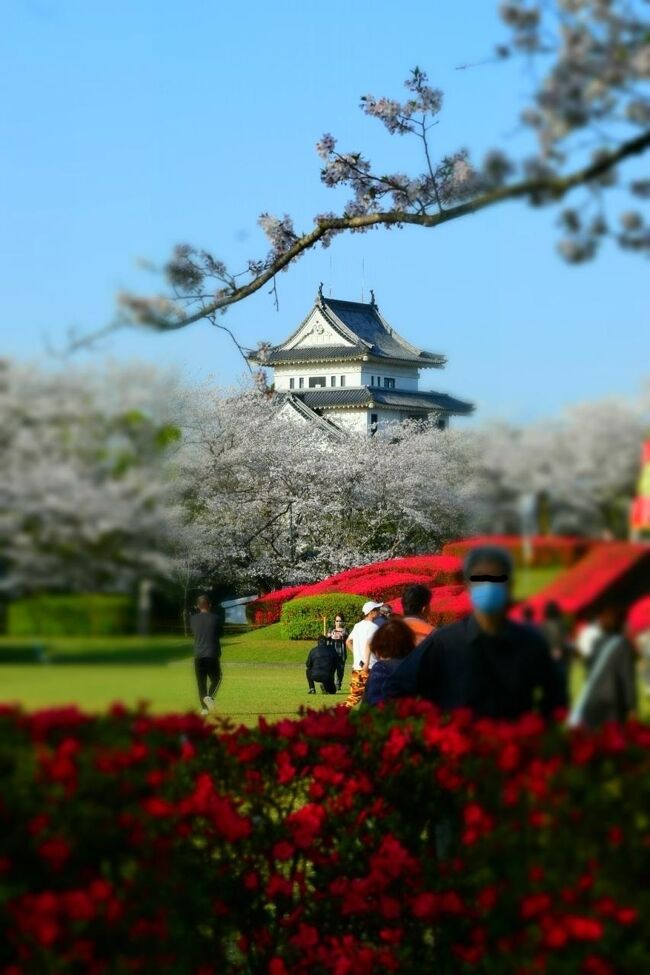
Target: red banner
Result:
[640, 518]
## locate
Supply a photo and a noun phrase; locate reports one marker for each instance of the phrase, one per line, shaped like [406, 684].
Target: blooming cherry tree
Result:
[86, 501]
[587, 462]
[278, 502]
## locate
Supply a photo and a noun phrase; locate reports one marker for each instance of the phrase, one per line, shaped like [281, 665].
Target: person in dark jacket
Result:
[556, 632]
[485, 662]
[390, 644]
[207, 628]
[338, 635]
[321, 666]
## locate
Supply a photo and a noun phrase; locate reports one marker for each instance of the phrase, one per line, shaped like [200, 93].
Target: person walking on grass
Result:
[485, 662]
[358, 643]
[321, 666]
[207, 628]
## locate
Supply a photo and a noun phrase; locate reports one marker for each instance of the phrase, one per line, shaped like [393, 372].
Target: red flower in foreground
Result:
[278, 967]
[583, 928]
[593, 965]
[55, 851]
[305, 824]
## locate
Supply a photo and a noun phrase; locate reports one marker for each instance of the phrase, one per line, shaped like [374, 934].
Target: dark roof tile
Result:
[399, 399]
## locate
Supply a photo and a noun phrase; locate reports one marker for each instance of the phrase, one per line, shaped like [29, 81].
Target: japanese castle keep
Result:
[345, 366]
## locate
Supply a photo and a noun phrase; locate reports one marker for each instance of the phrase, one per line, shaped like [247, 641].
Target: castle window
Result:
[317, 382]
[332, 380]
[374, 420]
[342, 380]
[389, 383]
[292, 384]
[301, 383]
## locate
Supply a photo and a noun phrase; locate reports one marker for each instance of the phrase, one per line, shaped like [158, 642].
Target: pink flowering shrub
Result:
[382, 840]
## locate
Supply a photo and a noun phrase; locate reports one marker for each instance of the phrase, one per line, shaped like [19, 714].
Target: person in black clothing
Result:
[207, 628]
[338, 635]
[390, 644]
[555, 630]
[321, 666]
[496, 667]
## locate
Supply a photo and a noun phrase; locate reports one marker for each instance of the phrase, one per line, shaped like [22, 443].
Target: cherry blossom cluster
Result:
[588, 111]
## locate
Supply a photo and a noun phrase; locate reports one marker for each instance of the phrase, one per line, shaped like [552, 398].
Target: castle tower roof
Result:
[363, 332]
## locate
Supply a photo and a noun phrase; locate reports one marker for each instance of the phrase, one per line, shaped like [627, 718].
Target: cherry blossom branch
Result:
[539, 190]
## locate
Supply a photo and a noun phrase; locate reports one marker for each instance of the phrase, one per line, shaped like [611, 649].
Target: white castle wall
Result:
[354, 375]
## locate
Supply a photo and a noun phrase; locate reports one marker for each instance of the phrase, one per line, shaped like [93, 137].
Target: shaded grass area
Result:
[256, 646]
[82, 649]
[262, 675]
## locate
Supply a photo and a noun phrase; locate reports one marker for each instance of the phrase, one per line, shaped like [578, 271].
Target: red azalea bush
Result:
[442, 569]
[382, 840]
[638, 619]
[578, 589]
[445, 609]
[439, 595]
[267, 609]
[429, 569]
[547, 550]
[385, 586]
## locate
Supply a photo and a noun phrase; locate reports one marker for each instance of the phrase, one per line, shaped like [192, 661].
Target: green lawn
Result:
[530, 581]
[262, 675]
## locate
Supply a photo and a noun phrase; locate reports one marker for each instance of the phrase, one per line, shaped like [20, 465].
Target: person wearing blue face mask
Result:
[494, 666]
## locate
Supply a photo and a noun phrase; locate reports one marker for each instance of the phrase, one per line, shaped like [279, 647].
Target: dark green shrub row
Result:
[87, 614]
[302, 618]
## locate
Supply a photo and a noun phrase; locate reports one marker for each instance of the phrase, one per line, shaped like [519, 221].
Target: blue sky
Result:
[129, 127]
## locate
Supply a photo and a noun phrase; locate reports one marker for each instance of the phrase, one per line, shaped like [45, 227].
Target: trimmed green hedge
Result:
[302, 618]
[91, 614]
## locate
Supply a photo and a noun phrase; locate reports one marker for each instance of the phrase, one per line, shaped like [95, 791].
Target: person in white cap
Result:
[358, 643]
